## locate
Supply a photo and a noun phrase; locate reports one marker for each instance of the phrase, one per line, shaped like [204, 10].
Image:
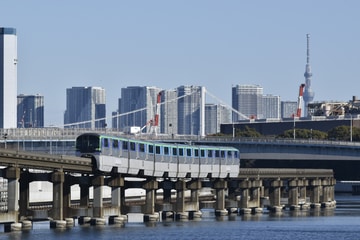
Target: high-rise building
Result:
[215, 115]
[169, 112]
[137, 106]
[85, 107]
[191, 110]
[271, 106]
[8, 77]
[30, 111]
[288, 109]
[247, 99]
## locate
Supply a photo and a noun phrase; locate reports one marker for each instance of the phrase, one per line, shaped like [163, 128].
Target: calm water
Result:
[341, 223]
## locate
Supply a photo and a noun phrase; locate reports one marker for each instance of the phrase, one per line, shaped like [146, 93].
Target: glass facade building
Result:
[137, 106]
[215, 115]
[30, 111]
[169, 112]
[271, 106]
[191, 110]
[247, 99]
[85, 107]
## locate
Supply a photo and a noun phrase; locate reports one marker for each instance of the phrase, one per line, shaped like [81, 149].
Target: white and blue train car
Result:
[157, 159]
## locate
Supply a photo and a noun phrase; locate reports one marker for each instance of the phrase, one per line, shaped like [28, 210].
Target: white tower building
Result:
[8, 78]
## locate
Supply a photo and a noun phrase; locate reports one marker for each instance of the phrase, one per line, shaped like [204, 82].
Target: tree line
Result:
[340, 133]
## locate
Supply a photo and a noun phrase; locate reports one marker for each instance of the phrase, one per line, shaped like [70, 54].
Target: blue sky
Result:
[216, 44]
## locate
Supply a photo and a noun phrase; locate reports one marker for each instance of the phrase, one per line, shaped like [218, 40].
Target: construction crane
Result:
[300, 100]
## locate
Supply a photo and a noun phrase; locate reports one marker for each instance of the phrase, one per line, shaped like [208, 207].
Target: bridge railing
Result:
[54, 133]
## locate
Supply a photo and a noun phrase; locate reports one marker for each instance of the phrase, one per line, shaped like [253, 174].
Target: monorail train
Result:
[157, 159]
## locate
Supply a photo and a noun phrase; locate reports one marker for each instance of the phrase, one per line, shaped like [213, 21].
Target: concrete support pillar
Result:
[256, 192]
[84, 184]
[149, 209]
[180, 187]
[12, 174]
[327, 199]
[194, 186]
[302, 184]
[315, 185]
[98, 211]
[24, 194]
[167, 195]
[67, 198]
[167, 207]
[123, 208]
[245, 186]
[275, 195]
[220, 186]
[232, 203]
[293, 195]
[245, 197]
[116, 183]
[58, 179]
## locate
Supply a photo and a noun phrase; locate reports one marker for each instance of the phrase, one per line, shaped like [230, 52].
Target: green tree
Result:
[247, 132]
[342, 133]
[304, 134]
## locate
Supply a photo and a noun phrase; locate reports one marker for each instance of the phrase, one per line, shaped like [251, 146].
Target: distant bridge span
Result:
[342, 157]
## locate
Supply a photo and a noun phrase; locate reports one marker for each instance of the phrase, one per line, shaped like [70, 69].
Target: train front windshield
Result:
[87, 143]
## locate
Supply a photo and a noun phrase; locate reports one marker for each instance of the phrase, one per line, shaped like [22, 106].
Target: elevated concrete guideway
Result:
[42, 161]
[251, 185]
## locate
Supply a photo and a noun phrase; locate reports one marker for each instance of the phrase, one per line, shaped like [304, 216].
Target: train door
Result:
[149, 159]
[205, 166]
[224, 168]
[214, 155]
[182, 162]
[195, 168]
[170, 160]
[159, 164]
[106, 146]
[115, 148]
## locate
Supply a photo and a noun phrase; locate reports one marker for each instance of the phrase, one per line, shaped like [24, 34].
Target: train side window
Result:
[115, 143]
[196, 152]
[236, 154]
[141, 147]
[106, 142]
[229, 154]
[181, 152]
[166, 150]
[132, 146]
[217, 154]
[151, 149]
[157, 149]
[188, 152]
[174, 151]
[222, 154]
[202, 153]
[210, 153]
[125, 145]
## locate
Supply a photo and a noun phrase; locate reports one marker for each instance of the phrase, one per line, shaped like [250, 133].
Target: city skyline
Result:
[167, 44]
